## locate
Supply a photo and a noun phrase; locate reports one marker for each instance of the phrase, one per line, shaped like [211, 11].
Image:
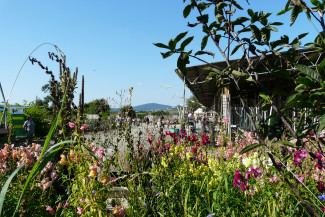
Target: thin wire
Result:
[21, 68]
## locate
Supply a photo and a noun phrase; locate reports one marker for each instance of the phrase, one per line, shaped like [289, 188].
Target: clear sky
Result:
[111, 42]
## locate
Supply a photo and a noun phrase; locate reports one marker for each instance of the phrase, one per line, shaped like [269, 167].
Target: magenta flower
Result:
[320, 187]
[237, 178]
[244, 186]
[247, 175]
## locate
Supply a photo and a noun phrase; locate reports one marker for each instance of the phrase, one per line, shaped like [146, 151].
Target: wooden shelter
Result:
[225, 100]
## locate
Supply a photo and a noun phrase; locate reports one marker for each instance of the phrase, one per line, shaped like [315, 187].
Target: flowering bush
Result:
[173, 175]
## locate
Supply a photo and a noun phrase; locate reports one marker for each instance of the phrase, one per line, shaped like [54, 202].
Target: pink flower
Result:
[59, 206]
[35, 146]
[54, 175]
[273, 179]
[80, 211]
[84, 127]
[50, 209]
[119, 211]
[101, 153]
[225, 120]
[93, 171]
[72, 156]
[66, 204]
[72, 125]
[63, 160]
[45, 184]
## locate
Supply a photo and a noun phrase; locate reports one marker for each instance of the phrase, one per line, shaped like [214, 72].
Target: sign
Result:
[18, 119]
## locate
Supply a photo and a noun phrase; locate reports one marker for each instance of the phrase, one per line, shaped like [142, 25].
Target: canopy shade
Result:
[207, 92]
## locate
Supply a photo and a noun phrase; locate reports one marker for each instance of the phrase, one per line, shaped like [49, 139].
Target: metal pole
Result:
[184, 100]
[4, 115]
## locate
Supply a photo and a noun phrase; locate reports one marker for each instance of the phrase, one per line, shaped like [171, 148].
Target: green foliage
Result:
[192, 103]
[128, 111]
[97, 106]
[40, 117]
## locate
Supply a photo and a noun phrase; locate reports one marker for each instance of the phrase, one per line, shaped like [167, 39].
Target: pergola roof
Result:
[206, 91]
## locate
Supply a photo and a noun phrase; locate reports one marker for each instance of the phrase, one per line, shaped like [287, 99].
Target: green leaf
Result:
[211, 69]
[302, 35]
[167, 54]
[180, 36]
[264, 96]
[161, 45]
[250, 12]
[235, 49]
[292, 97]
[251, 147]
[273, 28]
[287, 143]
[284, 11]
[315, 96]
[250, 79]
[204, 52]
[239, 74]
[237, 5]
[276, 24]
[6, 186]
[256, 32]
[203, 19]
[309, 72]
[59, 144]
[321, 123]
[172, 44]
[45, 161]
[182, 61]
[266, 34]
[186, 42]
[187, 11]
[240, 20]
[204, 42]
[294, 14]
[221, 5]
[304, 80]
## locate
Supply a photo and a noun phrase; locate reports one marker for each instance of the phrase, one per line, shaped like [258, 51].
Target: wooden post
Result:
[226, 108]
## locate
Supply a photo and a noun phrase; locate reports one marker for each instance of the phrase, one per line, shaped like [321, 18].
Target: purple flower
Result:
[94, 192]
[210, 215]
[158, 193]
[322, 197]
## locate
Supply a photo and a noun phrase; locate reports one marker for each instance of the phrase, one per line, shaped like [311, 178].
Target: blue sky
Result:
[111, 42]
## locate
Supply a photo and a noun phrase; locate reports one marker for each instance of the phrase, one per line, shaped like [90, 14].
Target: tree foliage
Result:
[97, 106]
[192, 103]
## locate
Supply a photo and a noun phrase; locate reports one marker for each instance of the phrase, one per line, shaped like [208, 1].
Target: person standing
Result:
[29, 128]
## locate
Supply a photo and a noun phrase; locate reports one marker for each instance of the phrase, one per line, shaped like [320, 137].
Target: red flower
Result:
[194, 149]
[320, 187]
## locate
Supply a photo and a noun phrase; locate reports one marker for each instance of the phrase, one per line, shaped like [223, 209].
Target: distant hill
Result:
[151, 107]
[148, 107]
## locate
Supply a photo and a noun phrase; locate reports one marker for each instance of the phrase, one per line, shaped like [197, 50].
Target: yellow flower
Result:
[163, 163]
